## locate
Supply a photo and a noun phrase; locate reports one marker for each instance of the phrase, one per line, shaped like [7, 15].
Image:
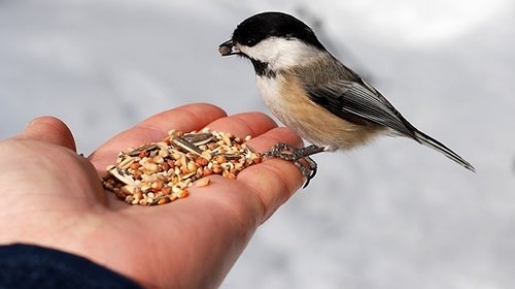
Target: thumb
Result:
[48, 129]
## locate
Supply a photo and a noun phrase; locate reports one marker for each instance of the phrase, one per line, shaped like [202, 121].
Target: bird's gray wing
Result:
[358, 102]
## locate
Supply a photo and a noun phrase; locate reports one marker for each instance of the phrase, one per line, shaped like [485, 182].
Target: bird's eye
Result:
[250, 42]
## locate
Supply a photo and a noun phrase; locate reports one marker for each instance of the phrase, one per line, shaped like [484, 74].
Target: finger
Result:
[273, 181]
[48, 129]
[186, 118]
[243, 124]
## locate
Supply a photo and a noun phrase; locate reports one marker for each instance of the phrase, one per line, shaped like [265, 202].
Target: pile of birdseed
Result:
[161, 172]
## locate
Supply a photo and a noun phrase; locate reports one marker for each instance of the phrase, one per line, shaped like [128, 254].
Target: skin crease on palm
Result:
[52, 197]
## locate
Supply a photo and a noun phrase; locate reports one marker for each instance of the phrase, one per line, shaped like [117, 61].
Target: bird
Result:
[314, 94]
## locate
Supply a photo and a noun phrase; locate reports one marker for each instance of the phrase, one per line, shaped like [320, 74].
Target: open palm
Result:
[52, 197]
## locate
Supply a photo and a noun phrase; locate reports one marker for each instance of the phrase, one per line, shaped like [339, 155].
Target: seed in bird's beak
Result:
[228, 48]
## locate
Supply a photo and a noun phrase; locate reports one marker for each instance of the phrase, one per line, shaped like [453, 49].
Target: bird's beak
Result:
[228, 48]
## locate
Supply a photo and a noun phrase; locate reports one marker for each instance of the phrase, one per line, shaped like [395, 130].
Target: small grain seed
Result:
[227, 139]
[206, 155]
[236, 147]
[148, 177]
[182, 194]
[158, 160]
[256, 160]
[184, 170]
[216, 168]
[170, 163]
[164, 167]
[202, 182]
[191, 166]
[175, 132]
[157, 185]
[183, 161]
[212, 146]
[207, 172]
[227, 166]
[137, 175]
[170, 172]
[220, 159]
[143, 154]
[188, 175]
[149, 201]
[151, 167]
[163, 146]
[128, 189]
[145, 187]
[201, 161]
[163, 201]
[135, 166]
[166, 190]
[176, 155]
[187, 182]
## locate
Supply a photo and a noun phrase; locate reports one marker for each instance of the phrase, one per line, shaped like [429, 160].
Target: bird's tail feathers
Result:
[433, 143]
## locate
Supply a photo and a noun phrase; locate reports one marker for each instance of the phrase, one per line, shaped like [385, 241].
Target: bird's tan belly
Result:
[312, 121]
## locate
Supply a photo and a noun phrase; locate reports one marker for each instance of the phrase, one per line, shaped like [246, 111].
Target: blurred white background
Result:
[392, 215]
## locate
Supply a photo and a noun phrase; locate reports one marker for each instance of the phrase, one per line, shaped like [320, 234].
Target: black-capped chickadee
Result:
[314, 94]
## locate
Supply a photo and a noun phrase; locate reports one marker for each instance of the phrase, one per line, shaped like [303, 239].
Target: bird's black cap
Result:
[267, 24]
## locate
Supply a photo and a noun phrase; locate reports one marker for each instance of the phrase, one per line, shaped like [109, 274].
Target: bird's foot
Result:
[299, 156]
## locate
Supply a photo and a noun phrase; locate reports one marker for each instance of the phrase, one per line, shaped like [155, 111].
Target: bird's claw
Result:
[306, 164]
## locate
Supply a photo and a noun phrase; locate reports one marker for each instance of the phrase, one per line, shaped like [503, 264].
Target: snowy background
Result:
[392, 215]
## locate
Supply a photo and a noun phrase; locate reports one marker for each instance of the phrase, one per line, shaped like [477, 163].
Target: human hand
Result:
[52, 197]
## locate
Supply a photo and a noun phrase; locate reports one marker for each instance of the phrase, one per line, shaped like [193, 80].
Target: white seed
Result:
[202, 182]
